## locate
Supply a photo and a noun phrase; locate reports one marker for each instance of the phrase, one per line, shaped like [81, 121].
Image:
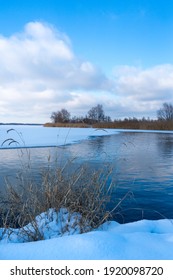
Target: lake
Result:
[142, 168]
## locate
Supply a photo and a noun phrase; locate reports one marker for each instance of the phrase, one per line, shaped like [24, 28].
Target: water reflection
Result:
[165, 145]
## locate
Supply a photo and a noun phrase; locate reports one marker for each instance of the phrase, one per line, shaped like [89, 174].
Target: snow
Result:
[62, 240]
[38, 136]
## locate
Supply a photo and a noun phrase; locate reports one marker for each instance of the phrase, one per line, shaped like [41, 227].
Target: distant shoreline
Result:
[129, 124]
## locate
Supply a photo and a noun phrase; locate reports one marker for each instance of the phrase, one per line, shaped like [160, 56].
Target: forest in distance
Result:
[96, 118]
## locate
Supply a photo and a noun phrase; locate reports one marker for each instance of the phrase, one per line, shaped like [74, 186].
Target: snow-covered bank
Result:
[152, 240]
[39, 136]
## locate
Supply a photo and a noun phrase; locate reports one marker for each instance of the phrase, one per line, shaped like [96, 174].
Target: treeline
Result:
[96, 118]
[95, 115]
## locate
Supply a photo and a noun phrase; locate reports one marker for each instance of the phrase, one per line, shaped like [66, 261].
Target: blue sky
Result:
[75, 54]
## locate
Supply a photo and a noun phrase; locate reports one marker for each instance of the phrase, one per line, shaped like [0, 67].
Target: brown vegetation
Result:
[137, 124]
[69, 124]
[122, 124]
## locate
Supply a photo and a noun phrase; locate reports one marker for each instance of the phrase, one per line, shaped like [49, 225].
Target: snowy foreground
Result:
[138, 240]
[152, 240]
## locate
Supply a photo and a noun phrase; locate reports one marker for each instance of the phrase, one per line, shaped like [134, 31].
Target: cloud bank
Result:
[143, 91]
[40, 73]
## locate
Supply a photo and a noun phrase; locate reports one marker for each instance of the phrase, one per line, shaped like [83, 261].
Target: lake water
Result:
[142, 167]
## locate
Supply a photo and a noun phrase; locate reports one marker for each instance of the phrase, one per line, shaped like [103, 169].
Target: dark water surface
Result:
[142, 167]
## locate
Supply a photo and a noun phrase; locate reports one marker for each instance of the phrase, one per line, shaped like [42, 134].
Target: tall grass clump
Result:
[77, 189]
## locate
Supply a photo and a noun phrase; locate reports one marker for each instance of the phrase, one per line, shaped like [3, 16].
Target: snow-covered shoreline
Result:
[141, 240]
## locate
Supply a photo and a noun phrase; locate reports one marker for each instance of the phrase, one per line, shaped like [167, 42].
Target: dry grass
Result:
[78, 189]
[137, 124]
[121, 124]
[81, 190]
[80, 125]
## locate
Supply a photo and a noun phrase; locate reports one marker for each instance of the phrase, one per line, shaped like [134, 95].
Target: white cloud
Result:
[38, 68]
[147, 82]
[144, 90]
[40, 73]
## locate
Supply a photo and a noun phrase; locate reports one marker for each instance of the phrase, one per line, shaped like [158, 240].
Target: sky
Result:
[75, 54]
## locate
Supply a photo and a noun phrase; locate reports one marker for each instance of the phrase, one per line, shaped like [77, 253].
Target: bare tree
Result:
[96, 114]
[61, 116]
[166, 112]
